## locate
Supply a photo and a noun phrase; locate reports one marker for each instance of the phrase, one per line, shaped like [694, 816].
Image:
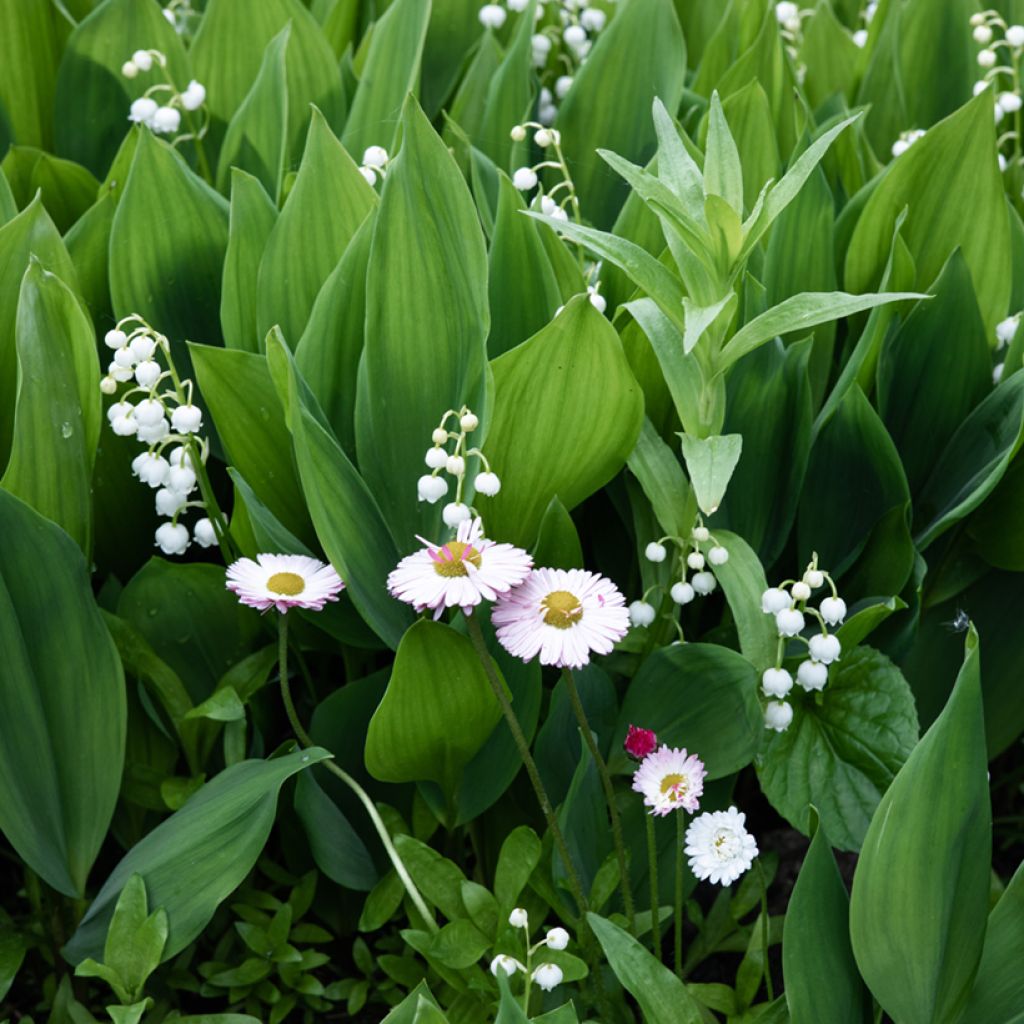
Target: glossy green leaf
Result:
[922, 879]
[389, 75]
[170, 275]
[428, 253]
[193, 860]
[29, 52]
[88, 243]
[822, 983]
[12, 953]
[437, 712]
[57, 416]
[701, 697]
[252, 218]
[454, 27]
[842, 754]
[660, 475]
[558, 541]
[304, 245]
[92, 96]
[661, 996]
[68, 189]
[257, 139]
[723, 175]
[63, 703]
[951, 160]
[576, 363]
[600, 111]
[710, 462]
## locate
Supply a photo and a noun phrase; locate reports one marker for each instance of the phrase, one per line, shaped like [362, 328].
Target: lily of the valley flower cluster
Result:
[546, 976]
[1001, 48]
[528, 178]
[564, 34]
[157, 409]
[161, 106]
[788, 604]
[689, 557]
[790, 18]
[375, 164]
[717, 844]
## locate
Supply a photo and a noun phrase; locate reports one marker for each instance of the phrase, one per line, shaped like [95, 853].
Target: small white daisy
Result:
[561, 615]
[283, 582]
[462, 573]
[670, 780]
[719, 847]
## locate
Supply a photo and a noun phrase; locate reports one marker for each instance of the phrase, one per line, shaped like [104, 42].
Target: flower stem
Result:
[679, 893]
[480, 644]
[764, 931]
[609, 795]
[364, 798]
[652, 873]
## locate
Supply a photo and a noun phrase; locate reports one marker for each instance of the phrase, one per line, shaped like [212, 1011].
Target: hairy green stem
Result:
[652, 874]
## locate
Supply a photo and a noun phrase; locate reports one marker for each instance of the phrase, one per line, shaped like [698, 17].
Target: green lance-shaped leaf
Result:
[57, 417]
[426, 320]
[193, 860]
[437, 712]
[168, 270]
[67, 188]
[304, 245]
[822, 983]
[657, 469]
[390, 73]
[710, 462]
[920, 894]
[62, 703]
[723, 175]
[583, 399]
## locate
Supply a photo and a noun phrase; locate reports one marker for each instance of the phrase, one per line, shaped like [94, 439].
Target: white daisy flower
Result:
[283, 582]
[561, 615]
[670, 779]
[461, 573]
[719, 847]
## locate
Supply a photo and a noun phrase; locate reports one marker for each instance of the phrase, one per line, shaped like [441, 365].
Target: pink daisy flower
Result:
[561, 615]
[462, 573]
[283, 582]
[670, 780]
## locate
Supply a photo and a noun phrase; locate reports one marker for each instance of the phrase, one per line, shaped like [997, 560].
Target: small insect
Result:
[959, 623]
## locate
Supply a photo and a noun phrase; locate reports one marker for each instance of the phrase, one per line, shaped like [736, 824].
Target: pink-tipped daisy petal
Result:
[283, 582]
[670, 780]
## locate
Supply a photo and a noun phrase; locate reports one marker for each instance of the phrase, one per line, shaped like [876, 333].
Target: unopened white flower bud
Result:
[597, 300]
[574, 36]
[695, 560]
[776, 682]
[154, 433]
[181, 479]
[1006, 329]
[541, 45]
[986, 58]
[860, 38]
[557, 938]
[492, 16]
[487, 484]
[142, 59]
[436, 458]
[143, 346]
[786, 10]
[800, 591]
[524, 178]
[543, 137]
[151, 469]
[369, 175]
[108, 385]
[997, 372]
[516, 5]
[593, 19]
[1009, 101]
[124, 426]
[508, 964]
[703, 582]
[899, 147]
[166, 120]
[115, 339]
[149, 411]
[518, 133]
[562, 86]
[774, 600]
[559, 214]
[125, 358]
[519, 918]
[982, 34]
[682, 592]
[824, 647]
[455, 512]
[833, 610]
[203, 533]
[172, 538]
[439, 436]
[718, 555]
[641, 613]
[431, 488]
[778, 715]
[455, 465]
[147, 373]
[977, 19]
[375, 156]
[547, 976]
[789, 621]
[187, 419]
[179, 456]
[129, 69]
[812, 675]
[1015, 36]
[118, 409]
[194, 95]
[655, 552]
[980, 86]
[169, 501]
[700, 533]
[169, 17]
[814, 578]
[469, 422]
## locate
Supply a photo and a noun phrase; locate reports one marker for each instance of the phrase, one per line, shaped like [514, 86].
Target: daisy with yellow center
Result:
[283, 582]
[461, 573]
[670, 780]
[562, 616]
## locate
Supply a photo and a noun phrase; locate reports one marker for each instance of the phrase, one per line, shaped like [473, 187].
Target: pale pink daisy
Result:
[283, 582]
[670, 780]
[461, 573]
[719, 846]
[561, 615]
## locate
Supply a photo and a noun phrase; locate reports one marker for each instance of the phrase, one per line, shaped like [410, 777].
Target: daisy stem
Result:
[364, 798]
[764, 931]
[480, 644]
[609, 795]
[652, 874]
[679, 893]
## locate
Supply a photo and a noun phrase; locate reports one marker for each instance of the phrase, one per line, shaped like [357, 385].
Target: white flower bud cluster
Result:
[788, 604]
[163, 421]
[374, 165]
[691, 558]
[546, 976]
[1006, 331]
[906, 140]
[161, 106]
[432, 487]
[553, 202]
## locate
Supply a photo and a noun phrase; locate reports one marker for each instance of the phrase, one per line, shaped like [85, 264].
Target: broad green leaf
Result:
[347, 519]
[582, 397]
[170, 273]
[193, 860]
[88, 245]
[57, 416]
[247, 413]
[520, 854]
[723, 175]
[799, 313]
[822, 983]
[600, 111]
[699, 696]
[30, 49]
[257, 139]
[67, 188]
[710, 462]
[658, 471]
[453, 29]
[558, 542]
[437, 712]
[427, 279]
[973, 462]
[388, 76]
[465, 114]
[229, 48]
[922, 879]
[662, 997]
[304, 245]
[942, 347]
[251, 220]
[953, 159]
[62, 703]
[833, 60]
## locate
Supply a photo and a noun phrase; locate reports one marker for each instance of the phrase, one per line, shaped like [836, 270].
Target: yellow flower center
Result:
[562, 609]
[450, 561]
[288, 583]
[674, 785]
